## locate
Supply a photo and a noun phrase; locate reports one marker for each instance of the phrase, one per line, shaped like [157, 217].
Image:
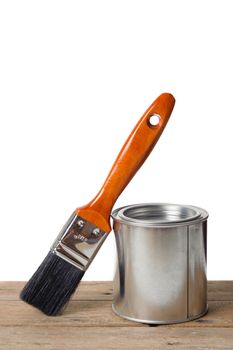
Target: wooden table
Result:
[89, 323]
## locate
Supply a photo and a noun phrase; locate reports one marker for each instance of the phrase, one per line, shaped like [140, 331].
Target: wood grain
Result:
[93, 313]
[133, 338]
[136, 149]
[97, 290]
[93, 290]
[220, 290]
[89, 323]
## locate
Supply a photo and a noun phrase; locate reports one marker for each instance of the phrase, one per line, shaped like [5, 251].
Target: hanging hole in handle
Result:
[153, 120]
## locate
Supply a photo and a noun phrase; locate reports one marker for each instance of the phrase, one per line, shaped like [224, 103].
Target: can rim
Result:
[159, 214]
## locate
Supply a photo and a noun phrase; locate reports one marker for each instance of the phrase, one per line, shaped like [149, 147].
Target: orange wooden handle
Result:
[132, 155]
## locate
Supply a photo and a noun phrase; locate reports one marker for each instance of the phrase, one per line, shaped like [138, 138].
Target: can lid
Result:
[159, 214]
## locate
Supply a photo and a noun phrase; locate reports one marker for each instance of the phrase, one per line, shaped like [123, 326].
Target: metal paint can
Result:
[161, 270]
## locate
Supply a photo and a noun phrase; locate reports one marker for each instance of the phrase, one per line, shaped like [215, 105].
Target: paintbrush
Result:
[56, 279]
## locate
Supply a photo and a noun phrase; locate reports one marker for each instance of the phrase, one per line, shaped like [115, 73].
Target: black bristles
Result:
[52, 285]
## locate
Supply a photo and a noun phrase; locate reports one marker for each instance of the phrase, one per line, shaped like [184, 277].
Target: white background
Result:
[75, 76]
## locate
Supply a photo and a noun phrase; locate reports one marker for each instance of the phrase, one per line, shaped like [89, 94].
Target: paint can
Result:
[161, 269]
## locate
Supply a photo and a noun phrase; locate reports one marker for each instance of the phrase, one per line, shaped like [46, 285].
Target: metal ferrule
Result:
[78, 242]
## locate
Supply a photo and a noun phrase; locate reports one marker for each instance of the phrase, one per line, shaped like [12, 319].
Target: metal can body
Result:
[161, 268]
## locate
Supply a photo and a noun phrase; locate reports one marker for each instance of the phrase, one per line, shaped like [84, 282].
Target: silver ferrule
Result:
[78, 242]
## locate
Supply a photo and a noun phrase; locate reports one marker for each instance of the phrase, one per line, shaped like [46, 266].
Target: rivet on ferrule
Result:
[96, 232]
[78, 242]
[81, 223]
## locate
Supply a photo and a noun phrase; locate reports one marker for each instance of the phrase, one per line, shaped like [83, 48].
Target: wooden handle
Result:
[132, 155]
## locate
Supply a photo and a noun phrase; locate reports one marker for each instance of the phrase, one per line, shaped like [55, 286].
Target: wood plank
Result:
[137, 338]
[97, 290]
[87, 290]
[91, 314]
[89, 323]
[78, 314]
[220, 290]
